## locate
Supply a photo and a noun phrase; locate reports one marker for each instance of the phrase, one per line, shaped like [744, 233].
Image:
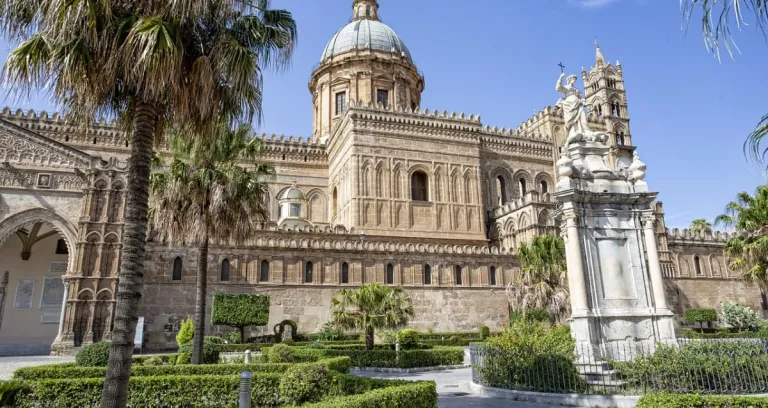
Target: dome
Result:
[363, 35]
[292, 193]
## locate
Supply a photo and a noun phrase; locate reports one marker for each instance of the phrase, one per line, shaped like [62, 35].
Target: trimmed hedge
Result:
[240, 310]
[700, 315]
[422, 394]
[721, 333]
[440, 356]
[475, 336]
[240, 348]
[93, 355]
[697, 401]
[338, 364]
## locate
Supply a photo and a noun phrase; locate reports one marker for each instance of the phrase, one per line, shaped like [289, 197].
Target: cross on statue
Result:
[562, 67]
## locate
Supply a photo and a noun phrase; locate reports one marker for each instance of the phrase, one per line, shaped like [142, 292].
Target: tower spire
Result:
[365, 10]
[599, 59]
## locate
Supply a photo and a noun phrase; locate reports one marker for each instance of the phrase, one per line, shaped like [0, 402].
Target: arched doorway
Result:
[37, 251]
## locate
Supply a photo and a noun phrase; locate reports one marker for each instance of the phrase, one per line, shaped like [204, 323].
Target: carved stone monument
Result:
[614, 276]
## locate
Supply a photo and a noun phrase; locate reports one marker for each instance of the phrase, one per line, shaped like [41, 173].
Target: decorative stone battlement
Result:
[557, 112]
[688, 235]
[57, 127]
[294, 148]
[532, 197]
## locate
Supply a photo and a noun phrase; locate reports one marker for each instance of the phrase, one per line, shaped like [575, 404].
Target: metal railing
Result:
[736, 366]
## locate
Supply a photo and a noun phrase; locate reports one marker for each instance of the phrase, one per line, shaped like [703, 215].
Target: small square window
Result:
[295, 210]
[341, 101]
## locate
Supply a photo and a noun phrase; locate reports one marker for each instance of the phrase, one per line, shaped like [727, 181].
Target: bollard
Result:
[397, 352]
[245, 390]
[247, 356]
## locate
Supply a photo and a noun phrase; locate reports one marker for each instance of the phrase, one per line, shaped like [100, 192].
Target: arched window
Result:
[620, 139]
[492, 276]
[176, 275]
[501, 190]
[308, 272]
[345, 273]
[697, 265]
[264, 271]
[419, 186]
[427, 275]
[390, 278]
[523, 187]
[457, 273]
[224, 275]
[61, 247]
[543, 187]
[335, 201]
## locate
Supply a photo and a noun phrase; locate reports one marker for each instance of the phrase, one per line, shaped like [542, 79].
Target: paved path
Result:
[10, 364]
[448, 389]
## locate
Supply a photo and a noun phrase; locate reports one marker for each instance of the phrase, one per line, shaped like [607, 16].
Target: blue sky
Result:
[498, 58]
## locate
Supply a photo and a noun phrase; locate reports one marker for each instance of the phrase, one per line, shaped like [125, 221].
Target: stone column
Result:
[654, 268]
[3, 291]
[576, 282]
[63, 306]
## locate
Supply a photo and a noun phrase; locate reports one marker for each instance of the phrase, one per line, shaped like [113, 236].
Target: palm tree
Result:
[701, 225]
[718, 16]
[148, 63]
[542, 282]
[748, 248]
[206, 196]
[371, 307]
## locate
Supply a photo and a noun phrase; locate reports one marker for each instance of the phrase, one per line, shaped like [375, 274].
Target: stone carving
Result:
[637, 169]
[574, 113]
[18, 145]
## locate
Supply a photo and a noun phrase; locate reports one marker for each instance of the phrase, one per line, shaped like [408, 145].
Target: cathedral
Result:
[382, 191]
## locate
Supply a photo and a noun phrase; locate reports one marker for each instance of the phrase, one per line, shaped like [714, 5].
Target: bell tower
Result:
[607, 97]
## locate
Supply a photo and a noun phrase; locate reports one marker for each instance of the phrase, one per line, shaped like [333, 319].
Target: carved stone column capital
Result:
[648, 220]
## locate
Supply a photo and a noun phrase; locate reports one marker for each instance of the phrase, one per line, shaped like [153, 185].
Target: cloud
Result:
[593, 3]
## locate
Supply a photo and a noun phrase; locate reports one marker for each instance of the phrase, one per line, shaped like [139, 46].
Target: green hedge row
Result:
[473, 335]
[338, 364]
[241, 348]
[700, 315]
[413, 395]
[697, 401]
[720, 334]
[439, 356]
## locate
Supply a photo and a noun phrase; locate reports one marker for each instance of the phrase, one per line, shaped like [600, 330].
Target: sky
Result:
[689, 113]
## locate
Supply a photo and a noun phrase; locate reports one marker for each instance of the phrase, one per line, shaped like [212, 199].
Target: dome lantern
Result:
[365, 10]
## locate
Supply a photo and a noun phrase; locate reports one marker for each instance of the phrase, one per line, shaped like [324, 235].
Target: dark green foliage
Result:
[722, 333]
[698, 401]
[183, 358]
[240, 310]
[387, 358]
[210, 351]
[8, 392]
[280, 353]
[435, 336]
[234, 337]
[700, 367]
[141, 360]
[279, 328]
[408, 339]
[529, 356]
[529, 315]
[484, 331]
[328, 332]
[302, 384]
[56, 371]
[93, 355]
[414, 395]
[700, 315]
[289, 342]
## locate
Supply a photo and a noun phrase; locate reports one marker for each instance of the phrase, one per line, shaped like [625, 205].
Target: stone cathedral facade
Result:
[382, 191]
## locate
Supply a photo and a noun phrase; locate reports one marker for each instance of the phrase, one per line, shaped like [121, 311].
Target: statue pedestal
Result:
[617, 293]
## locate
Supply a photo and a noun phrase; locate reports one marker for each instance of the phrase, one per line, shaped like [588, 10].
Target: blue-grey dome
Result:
[364, 35]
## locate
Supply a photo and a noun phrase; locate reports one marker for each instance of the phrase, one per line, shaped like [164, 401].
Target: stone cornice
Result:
[690, 237]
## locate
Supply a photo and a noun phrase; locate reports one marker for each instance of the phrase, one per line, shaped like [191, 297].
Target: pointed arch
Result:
[380, 180]
[67, 229]
[544, 218]
[523, 181]
[316, 205]
[110, 254]
[455, 186]
[397, 181]
[366, 179]
[469, 187]
[439, 185]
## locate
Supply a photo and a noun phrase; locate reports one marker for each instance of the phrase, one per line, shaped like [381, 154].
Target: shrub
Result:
[316, 345]
[153, 361]
[8, 392]
[186, 332]
[529, 315]
[721, 333]
[697, 401]
[328, 332]
[514, 359]
[442, 356]
[289, 342]
[302, 384]
[93, 355]
[240, 310]
[214, 339]
[184, 358]
[211, 351]
[279, 329]
[484, 331]
[422, 394]
[408, 339]
[234, 337]
[280, 353]
[738, 316]
[699, 315]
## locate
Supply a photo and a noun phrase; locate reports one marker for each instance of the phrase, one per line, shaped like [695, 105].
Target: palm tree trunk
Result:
[131, 278]
[369, 338]
[202, 291]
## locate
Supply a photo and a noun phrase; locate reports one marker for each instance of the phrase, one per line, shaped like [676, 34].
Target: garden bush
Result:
[210, 352]
[700, 367]
[93, 355]
[288, 342]
[279, 329]
[302, 384]
[240, 310]
[518, 358]
[484, 331]
[408, 339]
[421, 394]
[8, 392]
[700, 315]
[186, 332]
[57, 371]
[280, 353]
[722, 333]
[338, 336]
[533, 315]
[234, 337]
[438, 336]
[698, 401]
[141, 360]
[740, 317]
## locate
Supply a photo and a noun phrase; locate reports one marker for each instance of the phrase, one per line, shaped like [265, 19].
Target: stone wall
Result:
[686, 293]
[440, 309]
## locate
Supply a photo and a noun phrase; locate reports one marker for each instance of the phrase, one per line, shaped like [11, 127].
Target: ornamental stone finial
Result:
[636, 169]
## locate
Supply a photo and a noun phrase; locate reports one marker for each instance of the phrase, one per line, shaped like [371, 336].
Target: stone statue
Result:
[575, 116]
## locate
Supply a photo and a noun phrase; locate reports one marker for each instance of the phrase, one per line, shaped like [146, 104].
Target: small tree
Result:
[240, 310]
[738, 316]
[700, 315]
[186, 332]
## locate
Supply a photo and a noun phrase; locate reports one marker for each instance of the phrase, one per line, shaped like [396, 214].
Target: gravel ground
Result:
[10, 364]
